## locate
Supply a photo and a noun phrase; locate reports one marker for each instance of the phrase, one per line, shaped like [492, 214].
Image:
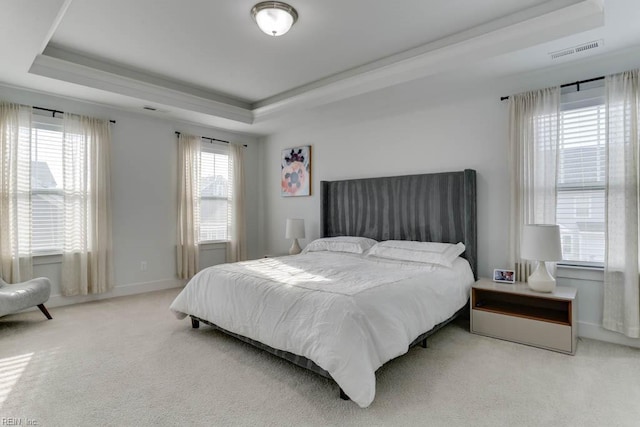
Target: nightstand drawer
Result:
[538, 333]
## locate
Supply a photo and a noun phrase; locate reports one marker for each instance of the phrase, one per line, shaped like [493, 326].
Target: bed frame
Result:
[439, 207]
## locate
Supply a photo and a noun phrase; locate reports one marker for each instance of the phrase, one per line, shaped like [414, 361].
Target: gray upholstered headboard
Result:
[437, 207]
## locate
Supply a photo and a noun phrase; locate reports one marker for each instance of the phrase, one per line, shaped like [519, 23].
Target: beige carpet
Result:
[129, 362]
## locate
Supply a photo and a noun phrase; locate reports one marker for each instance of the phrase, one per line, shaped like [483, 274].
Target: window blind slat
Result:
[46, 188]
[580, 203]
[215, 190]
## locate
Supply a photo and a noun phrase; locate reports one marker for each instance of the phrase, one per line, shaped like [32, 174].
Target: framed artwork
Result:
[504, 276]
[295, 174]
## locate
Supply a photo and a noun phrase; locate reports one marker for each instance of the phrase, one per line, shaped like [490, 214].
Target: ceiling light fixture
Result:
[274, 18]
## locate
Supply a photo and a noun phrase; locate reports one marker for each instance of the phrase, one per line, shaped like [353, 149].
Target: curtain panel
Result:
[534, 121]
[621, 311]
[236, 247]
[15, 193]
[188, 255]
[87, 249]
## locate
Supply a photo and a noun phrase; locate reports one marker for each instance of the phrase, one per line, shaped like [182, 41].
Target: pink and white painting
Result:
[296, 171]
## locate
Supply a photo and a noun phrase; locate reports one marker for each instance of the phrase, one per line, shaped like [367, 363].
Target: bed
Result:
[343, 315]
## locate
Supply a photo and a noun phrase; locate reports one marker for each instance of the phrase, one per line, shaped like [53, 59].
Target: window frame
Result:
[590, 95]
[45, 122]
[212, 148]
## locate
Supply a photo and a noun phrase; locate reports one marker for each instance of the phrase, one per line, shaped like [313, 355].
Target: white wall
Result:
[144, 196]
[447, 124]
[428, 140]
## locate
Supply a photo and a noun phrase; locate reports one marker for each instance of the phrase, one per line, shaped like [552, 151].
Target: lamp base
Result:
[540, 280]
[295, 248]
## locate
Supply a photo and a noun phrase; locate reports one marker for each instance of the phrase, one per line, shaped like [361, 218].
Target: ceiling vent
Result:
[576, 49]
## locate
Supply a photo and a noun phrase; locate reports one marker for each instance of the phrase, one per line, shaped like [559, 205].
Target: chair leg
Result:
[343, 395]
[44, 311]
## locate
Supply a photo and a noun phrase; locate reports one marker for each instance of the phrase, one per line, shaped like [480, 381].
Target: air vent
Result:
[591, 45]
[561, 53]
[576, 49]
[147, 107]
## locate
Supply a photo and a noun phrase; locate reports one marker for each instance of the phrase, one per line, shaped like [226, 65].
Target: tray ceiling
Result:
[208, 57]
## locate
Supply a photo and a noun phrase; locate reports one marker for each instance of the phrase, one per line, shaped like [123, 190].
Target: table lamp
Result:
[541, 242]
[295, 231]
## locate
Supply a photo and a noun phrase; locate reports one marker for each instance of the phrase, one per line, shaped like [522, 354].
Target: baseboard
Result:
[597, 332]
[118, 291]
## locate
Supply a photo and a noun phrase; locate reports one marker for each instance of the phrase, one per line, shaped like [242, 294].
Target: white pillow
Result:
[355, 245]
[425, 252]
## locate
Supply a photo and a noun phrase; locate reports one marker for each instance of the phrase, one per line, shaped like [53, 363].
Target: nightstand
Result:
[513, 312]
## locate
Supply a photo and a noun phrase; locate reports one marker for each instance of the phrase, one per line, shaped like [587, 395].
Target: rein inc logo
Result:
[11, 421]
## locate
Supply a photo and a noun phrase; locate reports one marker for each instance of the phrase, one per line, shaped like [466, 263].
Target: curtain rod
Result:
[213, 139]
[578, 83]
[57, 111]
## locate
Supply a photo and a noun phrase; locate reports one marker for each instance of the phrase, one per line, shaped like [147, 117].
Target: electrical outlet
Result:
[143, 265]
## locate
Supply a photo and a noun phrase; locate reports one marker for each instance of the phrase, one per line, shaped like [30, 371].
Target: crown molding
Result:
[502, 36]
[541, 24]
[148, 89]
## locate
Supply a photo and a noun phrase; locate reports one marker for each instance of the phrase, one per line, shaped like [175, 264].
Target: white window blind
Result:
[46, 186]
[215, 189]
[580, 210]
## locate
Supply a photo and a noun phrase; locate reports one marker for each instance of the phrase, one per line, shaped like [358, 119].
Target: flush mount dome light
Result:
[274, 17]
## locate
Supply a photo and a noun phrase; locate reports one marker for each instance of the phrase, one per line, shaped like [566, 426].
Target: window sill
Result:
[213, 244]
[595, 274]
[47, 258]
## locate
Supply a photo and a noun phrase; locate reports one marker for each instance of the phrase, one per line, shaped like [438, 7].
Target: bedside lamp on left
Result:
[295, 231]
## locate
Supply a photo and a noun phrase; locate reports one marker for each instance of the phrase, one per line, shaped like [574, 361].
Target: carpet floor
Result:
[128, 362]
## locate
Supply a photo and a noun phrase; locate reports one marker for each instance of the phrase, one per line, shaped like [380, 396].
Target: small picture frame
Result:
[504, 276]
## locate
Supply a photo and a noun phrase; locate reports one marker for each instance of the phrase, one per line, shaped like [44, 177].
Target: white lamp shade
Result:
[541, 242]
[274, 18]
[295, 228]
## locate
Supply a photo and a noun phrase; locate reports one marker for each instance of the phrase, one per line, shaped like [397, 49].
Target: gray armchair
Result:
[18, 296]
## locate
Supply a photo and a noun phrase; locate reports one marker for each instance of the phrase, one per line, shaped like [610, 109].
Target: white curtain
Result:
[236, 248]
[534, 119]
[621, 311]
[15, 193]
[188, 205]
[87, 251]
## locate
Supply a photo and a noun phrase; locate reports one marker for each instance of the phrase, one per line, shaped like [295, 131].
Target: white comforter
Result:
[346, 313]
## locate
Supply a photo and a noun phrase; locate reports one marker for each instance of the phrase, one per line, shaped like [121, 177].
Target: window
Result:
[580, 209]
[47, 198]
[215, 189]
